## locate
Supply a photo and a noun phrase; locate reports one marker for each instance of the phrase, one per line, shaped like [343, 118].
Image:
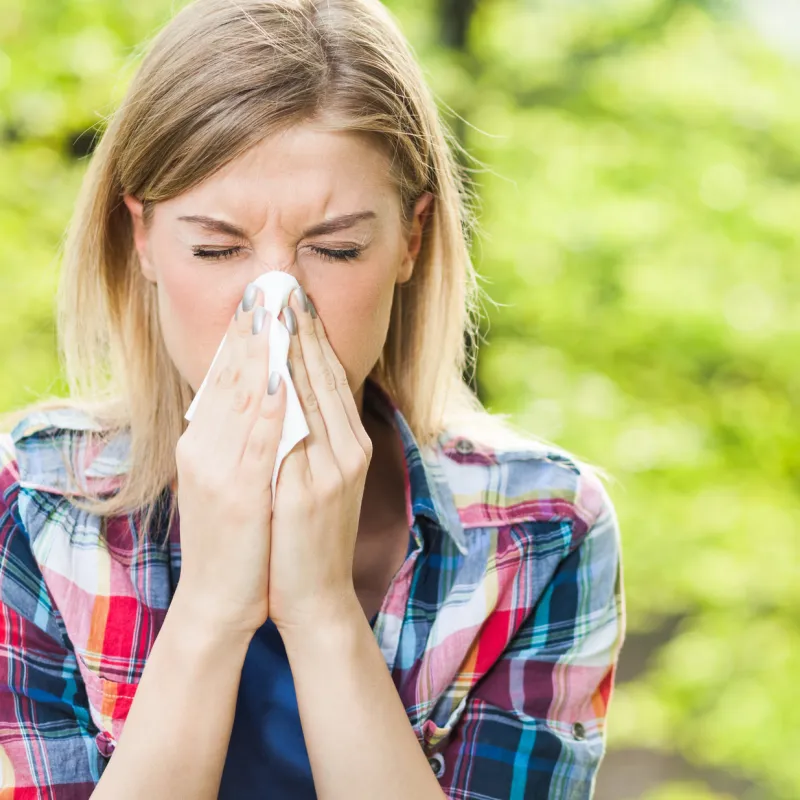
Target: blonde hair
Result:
[219, 78]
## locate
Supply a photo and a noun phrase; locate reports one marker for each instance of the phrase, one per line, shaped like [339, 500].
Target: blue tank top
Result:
[267, 754]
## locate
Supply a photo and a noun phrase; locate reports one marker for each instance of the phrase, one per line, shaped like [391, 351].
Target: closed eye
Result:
[337, 255]
[325, 253]
[228, 252]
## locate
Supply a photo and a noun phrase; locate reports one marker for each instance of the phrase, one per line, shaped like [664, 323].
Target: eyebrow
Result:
[332, 225]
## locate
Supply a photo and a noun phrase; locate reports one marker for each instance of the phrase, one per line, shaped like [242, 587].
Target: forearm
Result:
[359, 740]
[177, 731]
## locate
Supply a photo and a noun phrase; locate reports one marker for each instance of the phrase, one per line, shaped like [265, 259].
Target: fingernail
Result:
[238, 310]
[312, 310]
[291, 320]
[302, 297]
[249, 299]
[289, 368]
[259, 316]
[274, 383]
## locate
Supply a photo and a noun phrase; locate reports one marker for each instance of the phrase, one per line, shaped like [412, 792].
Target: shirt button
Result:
[464, 447]
[437, 764]
[578, 731]
[105, 743]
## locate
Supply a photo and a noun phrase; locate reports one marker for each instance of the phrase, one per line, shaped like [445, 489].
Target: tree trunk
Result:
[455, 16]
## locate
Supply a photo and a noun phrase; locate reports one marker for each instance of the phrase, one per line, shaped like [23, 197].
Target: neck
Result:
[384, 501]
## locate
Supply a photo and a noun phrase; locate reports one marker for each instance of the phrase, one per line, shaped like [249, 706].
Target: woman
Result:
[430, 604]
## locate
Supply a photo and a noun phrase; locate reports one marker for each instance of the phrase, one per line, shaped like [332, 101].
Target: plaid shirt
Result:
[501, 630]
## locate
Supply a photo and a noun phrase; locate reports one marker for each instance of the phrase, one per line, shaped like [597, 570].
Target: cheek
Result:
[355, 313]
[194, 314]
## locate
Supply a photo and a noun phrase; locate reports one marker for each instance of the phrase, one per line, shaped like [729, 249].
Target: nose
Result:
[284, 264]
[280, 258]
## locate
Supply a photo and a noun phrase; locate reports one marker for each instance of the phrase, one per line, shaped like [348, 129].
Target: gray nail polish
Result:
[291, 320]
[274, 383]
[289, 368]
[238, 310]
[250, 295]
[302, 297]
[259, 316]
[312, 310]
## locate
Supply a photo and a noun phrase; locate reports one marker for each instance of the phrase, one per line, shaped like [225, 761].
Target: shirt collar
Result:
[428, 493]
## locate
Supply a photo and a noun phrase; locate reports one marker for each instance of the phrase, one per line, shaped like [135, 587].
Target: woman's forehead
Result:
[298, 173]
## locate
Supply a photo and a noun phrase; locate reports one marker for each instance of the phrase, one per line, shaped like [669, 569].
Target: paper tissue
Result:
[276, 286]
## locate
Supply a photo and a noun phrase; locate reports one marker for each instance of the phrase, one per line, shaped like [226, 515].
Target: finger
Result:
[261, 449]
[342, 384]
[236, 383]
[223, 371]
[343, 443]
[321, 459]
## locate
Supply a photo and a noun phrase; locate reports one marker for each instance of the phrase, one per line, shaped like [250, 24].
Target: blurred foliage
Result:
[684, 791]
[638, 165]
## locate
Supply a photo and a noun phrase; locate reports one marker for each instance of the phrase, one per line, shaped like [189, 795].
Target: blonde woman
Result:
[429, 605]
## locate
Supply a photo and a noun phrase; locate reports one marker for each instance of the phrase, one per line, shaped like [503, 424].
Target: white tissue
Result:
[276, 286]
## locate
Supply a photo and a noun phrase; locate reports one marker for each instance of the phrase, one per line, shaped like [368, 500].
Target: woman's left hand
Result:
[319, 489]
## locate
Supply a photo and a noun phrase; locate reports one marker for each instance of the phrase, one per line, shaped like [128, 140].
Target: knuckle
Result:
[241, 400]
[331, 486]
[227, 376]
[260, 441]
[184, 452]
[356, 466]
[242, 327]
[329, 379]
[269, 409]
[340, 375]
[310, 400]
[190, 466]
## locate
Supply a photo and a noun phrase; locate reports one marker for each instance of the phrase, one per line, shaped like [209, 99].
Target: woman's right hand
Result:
[225, 460]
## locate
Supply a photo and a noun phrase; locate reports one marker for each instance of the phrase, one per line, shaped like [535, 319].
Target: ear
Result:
[140, 236]
[422, 211]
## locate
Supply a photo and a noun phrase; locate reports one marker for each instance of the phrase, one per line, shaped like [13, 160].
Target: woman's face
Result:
[261, 213]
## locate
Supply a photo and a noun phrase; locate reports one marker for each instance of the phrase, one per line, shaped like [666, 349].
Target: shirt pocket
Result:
[109, 703]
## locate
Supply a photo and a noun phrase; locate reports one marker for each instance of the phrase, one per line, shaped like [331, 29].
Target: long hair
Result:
[219, 78]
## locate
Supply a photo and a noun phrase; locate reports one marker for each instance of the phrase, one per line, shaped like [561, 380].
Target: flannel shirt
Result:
[501, 630]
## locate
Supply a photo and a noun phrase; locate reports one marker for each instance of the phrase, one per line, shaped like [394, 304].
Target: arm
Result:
[534, 727]
[177, 731]
[168, 747]
[177, 722]
[341, 681]
[359, 740]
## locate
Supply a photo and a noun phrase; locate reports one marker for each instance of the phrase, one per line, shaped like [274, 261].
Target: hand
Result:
[225, 460]
[320, 487]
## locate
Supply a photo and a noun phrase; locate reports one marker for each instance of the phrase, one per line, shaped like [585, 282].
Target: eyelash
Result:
[327, 255]
[337, 255]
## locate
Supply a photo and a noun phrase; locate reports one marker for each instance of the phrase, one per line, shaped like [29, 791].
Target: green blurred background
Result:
[639, 181]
